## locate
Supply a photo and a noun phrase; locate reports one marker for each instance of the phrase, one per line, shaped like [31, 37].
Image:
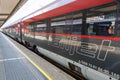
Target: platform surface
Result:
[19, 63]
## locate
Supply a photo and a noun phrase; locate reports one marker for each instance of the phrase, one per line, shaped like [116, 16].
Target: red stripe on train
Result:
[83, 36]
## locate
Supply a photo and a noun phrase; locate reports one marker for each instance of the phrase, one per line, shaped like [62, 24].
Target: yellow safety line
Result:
[30, 60]
[35, 65]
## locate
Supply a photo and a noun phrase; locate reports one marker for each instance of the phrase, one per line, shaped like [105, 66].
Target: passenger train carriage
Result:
[82, 36]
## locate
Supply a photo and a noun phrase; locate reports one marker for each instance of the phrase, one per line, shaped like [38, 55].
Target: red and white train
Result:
[83, 36]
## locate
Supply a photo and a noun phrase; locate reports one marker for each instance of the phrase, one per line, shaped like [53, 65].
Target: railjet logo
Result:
[75, 46]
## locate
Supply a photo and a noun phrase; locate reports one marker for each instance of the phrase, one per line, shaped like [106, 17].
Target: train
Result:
[81, 36]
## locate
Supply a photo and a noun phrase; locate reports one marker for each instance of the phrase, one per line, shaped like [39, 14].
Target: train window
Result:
[60, 30]
[65, 29]
[90, 30]
[103, 28]
[31, 28]
[67, 24]
[40, 28]
[60, 27]
[101, 21]
[76, 29]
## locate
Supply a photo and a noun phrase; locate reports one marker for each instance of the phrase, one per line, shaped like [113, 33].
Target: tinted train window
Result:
[101, 20]
[76, 29]
[103, 28]
[57, 30]
[91, 30]
[70, 23]
[60, 29]
[40, 28]
[29, 28]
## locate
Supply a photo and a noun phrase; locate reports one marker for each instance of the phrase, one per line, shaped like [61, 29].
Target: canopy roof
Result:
[7, 8]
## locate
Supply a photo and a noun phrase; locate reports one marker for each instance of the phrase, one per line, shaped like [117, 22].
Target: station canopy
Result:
[8, 8]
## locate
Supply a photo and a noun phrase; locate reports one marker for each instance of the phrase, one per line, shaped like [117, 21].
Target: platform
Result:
[19, 63]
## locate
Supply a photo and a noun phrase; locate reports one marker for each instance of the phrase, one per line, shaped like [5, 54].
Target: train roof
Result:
[71, 7]
[60, 7]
